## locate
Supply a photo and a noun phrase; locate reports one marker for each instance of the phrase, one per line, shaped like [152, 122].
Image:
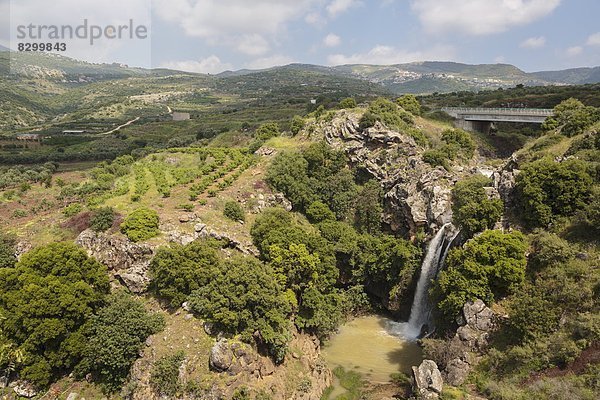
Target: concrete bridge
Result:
[482, 119]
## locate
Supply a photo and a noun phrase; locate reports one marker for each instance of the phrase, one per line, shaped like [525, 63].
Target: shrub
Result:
[72, 209]
[297, 125]
[234, 211]
[267, 131]
[348, 102]
[367, 120]
[489, 267]
[244, 297]
[572, 117]
[164, 377]
[102, 219]
[140, 225]
[47, 298]
[473, 211]
[319, 212]
[436, 158]
[7, 250]
[117, 335]
[178, 270]
[458, 142]
[546, 189]
[369, 208]
[410, 103]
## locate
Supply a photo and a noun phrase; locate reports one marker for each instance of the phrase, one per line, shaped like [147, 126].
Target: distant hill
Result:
[575, 76]
[2, 48]
[443, 77]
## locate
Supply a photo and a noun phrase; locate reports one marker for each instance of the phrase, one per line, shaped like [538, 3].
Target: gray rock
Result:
[221, 356]
[126, 260]
[428, 382]
[478, 316]
[72, 396]
[199, 227]
[25, 389]
[457, 371]
[3, 382]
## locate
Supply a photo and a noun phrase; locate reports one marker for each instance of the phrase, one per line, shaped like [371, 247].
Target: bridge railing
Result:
[499, 111]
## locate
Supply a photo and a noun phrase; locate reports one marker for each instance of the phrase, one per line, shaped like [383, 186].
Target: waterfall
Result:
[421, 308]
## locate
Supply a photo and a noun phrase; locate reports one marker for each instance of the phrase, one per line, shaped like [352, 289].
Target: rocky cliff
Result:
[417, 195]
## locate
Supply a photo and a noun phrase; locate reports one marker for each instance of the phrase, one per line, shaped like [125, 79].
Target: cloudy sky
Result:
[215, 35]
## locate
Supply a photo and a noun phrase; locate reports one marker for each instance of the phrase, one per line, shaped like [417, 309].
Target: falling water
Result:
[420, 311]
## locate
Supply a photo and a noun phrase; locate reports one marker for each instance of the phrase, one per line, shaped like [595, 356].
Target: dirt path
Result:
[122, 126]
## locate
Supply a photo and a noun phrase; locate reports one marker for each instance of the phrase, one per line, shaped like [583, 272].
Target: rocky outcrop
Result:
[263, 201]
[476, 323]
[417, 195]
[127, 261]
[504, 180]
[25, 389]
[428, 382]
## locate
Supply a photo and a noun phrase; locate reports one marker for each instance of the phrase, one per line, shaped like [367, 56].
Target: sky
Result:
[211, 36]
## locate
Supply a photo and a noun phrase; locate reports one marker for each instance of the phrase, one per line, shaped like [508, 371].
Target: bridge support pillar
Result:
[474, 126]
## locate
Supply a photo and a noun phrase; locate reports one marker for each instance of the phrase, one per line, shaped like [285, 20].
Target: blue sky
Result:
[215, 35]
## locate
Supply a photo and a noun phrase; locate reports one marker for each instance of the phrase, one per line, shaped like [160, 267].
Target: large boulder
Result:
[221, 356]
[428, 382]
[127, 261]
[25, 389]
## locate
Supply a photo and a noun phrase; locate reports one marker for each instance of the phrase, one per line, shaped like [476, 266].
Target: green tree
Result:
[46, 299]
[164, 378]
[267, 131]
[546, 189]
[296, 268]
[116, 336]
[348, 103]
[472, 209]
[244, 297]
[571, 117]
[319, 212]
[369, 208]
[234, 211]
[320, 312]
[102, 219]
[178, 270]
[140, 225]
[488, 267]
[297, 125]
[7, 250]
[410, 103]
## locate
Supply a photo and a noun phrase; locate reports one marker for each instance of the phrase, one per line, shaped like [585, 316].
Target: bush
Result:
[546, 189]
[319, 212]
[473, 211]
[267, 131]
[571, 117]
[178, 270]
[410, 103]
[244, 297]
[458, 142]
[347, 103]
[234, 211]
[164, 378]
[436, 158]
[140, 225]
[369, 208]
[102, 219]
[117, 335]
[489, 267]
[46, 299]
[72, 210]
[7, 250]
[297, 125]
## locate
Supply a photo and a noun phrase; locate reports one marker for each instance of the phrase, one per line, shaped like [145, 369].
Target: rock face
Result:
[476, 323]
[428, 383]
[416, 194]
[221, 356]
[126, 260]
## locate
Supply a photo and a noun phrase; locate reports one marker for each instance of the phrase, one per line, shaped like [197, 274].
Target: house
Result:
[180, 116]
[29, 137]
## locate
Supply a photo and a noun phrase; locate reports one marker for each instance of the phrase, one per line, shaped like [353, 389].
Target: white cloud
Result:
[268, 62]
[209, 65]
[339, 6]
[574, 51]
[594, 39]
[332, 40]
[240, 24]
[500, 60]
[386, 55]
[479, 17]
[316, 19]
[533, 43]
[253, 45]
